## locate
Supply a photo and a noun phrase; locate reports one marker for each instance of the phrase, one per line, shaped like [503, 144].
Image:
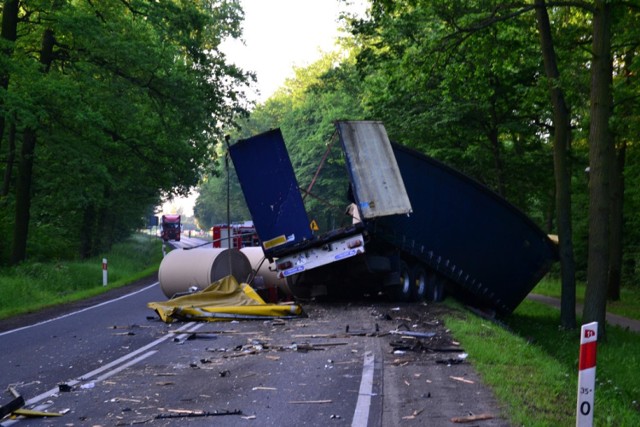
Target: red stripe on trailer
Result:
[588, 355]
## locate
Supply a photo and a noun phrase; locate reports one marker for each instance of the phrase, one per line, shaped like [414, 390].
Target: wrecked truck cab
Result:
[425, 228]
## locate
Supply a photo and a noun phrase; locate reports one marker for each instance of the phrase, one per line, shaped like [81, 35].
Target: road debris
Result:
[16, 408]
[413, 334]
[64, 388]
[223, 300]
[462, 380]
[15, 404]
[29, 413]
[413, 415]
[472, 418]
[181, 413]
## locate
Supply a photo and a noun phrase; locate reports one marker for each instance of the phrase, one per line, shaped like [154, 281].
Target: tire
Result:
[296, 290]
[419, 281]
[435, 288]
[403, 289]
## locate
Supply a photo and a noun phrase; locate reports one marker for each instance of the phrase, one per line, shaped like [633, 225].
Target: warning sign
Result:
[314, 225]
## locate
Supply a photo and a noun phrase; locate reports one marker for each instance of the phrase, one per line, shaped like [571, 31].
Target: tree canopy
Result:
[105, 108]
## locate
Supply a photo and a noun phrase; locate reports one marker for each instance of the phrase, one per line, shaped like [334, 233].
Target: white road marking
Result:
[110, 365]
[79, 311]
[117, 364]
[361, 414]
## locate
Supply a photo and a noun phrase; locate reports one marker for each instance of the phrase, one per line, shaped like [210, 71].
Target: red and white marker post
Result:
[104, 272]
[587, 374]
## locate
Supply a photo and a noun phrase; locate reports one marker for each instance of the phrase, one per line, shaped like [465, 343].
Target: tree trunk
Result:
[561, 168]
[25, 168]
[8, 32]
[616, 224]
[11, 156]
[23, 198]
[600, 162]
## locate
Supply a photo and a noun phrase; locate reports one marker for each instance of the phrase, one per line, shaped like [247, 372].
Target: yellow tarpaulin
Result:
[225, 299]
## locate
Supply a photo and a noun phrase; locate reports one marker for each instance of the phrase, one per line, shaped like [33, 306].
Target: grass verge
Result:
[35, 285]
[628, 306]
[531, 365]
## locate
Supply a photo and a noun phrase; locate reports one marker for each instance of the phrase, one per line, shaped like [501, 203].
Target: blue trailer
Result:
[421, 229]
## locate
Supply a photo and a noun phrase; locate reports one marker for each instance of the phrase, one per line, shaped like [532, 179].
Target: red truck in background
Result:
[170, 228]
[240, 235]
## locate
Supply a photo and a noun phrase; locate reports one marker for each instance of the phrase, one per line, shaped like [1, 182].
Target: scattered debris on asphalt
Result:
[16, 408]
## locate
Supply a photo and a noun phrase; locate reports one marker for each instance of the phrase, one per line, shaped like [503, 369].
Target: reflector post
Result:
[587, 374]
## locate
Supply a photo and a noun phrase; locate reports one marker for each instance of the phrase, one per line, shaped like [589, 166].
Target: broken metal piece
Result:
[64, 388]
[12, 406]
[413, 334]
[32, 413]
[450, 361]
[193, 414]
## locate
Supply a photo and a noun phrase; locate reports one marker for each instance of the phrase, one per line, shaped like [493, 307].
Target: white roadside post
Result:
[587, 374]
[104, 272]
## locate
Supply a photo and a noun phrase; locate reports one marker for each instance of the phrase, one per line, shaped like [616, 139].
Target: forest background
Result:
[109, 107]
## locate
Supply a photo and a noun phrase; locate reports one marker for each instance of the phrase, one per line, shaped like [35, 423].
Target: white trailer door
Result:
[377, 183]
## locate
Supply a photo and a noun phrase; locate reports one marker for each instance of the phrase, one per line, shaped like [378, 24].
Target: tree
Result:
[601, 160]
[562, 167]
[131, 96]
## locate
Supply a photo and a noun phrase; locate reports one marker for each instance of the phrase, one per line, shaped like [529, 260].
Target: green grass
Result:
[35, 285]
[531, 365]
[628, 306]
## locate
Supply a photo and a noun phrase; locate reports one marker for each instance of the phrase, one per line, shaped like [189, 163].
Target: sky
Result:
[278, 35]
[281, 34]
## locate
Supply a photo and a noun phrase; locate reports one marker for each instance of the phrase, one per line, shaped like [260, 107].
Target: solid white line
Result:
[126, 365]
[361, 414]
[108, 366]
[79, 311]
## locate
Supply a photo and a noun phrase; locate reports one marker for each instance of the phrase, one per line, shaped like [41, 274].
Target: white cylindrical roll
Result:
[181, 269]
[265, 270]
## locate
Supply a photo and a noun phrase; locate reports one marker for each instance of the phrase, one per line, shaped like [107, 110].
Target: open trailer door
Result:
[271, 191]
[377, 183]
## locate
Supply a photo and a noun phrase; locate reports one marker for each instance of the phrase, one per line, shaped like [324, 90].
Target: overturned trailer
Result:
[421, 227]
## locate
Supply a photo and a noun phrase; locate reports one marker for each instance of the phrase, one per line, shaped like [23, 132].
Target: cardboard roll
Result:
[266, 275]
[182, 269]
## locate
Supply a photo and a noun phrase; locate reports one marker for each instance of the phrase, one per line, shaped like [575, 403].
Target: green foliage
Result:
[33, 285]
[125, 113]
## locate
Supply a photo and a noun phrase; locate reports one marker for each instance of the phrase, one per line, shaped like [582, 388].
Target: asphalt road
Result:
[122, 366]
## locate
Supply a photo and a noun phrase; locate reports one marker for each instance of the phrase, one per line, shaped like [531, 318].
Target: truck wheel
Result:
[403, 289]
[297, 290]
[435, 288]
[419, 283]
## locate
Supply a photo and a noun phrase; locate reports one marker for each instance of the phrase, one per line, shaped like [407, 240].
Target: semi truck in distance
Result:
[421, 229]
[170, 228]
